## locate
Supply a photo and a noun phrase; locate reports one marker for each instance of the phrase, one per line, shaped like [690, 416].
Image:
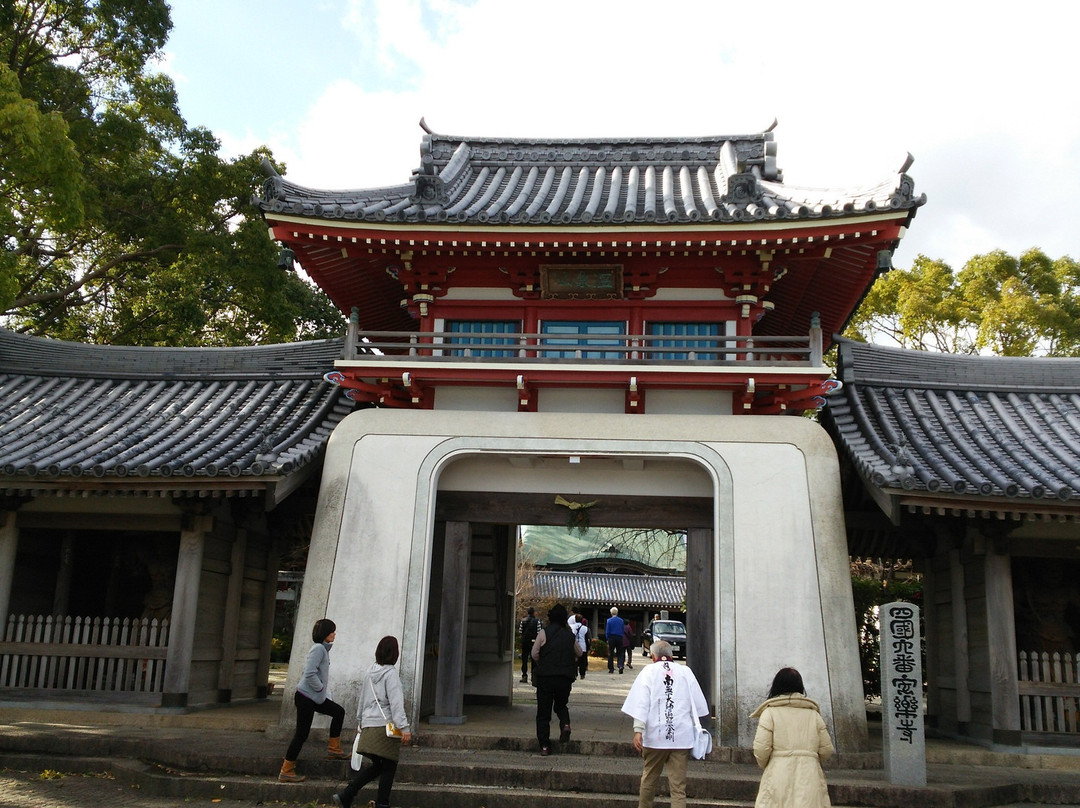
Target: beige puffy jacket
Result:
[790, 743]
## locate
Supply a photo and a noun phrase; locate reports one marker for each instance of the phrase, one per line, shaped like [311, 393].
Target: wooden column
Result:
[700, 609]
[266, 620]
[185, 606]
[62, 593]
[1001, 629]
[961, 650]
[931, 613]
[231, 626]
[9, 544]
[450, 684]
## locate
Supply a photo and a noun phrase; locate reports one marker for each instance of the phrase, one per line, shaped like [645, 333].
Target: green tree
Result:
[1006, 305]
[120, 223]
[875, 582]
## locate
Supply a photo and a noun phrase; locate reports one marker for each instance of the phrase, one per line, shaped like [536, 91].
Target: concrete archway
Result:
[780, 587]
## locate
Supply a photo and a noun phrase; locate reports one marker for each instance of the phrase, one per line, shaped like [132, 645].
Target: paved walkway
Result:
[251, 734]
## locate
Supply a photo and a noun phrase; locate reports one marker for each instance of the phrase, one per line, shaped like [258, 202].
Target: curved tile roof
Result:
[69, 410]
[481, 181]
[994, 429]
[606, 589]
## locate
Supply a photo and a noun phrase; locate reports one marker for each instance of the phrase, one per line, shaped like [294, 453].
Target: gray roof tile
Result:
[69, 410]
[984, 428]
[601, 588]
[482, 181]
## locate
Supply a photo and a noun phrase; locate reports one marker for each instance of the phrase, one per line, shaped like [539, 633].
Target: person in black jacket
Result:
[554, 654]
[529, 628]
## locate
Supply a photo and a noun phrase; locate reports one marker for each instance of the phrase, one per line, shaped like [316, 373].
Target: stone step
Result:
[490, 788]
[456, 779]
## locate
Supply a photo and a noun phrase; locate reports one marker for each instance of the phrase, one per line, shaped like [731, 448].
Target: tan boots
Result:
[335, 752]
[288, 773]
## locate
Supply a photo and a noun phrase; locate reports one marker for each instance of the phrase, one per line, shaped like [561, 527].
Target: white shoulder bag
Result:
[702, 739]
[391, 729]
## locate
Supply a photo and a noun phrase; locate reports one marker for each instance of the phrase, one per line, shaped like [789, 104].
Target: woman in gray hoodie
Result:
[381, 701]
[313, 696]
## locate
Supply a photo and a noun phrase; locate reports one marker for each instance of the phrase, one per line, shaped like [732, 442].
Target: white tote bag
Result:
[702, 741]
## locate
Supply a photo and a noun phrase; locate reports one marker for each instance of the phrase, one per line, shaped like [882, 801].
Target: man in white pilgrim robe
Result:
[663, 701]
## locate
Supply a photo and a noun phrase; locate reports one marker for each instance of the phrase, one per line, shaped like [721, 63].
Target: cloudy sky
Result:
[982, 94]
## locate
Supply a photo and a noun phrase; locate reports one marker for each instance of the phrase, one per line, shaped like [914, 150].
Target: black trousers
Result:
[380, 767]
[305, 712]
[526, 657]
[616, 650]
[552, 692]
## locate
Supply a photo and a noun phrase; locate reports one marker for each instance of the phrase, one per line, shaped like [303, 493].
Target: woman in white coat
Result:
[790, 744]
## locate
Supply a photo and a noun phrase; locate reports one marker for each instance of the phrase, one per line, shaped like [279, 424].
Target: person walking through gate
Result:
[313, 696]
[580, 626]
[529, 628]
[381, 701]
[555, 653]
[663, 702]
[613, 634]
[790, 743]
[628, 644]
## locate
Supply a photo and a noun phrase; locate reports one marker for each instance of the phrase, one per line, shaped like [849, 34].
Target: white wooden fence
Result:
[1049, 692]
[103, 654]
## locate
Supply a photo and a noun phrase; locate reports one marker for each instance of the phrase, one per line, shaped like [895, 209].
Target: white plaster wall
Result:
[562, 399]
[687, 402]
[657, 402]
[654, 476]
[785, 594]
[498, 399]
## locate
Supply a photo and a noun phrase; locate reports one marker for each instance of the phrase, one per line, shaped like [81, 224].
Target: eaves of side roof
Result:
[163, 421]
[590, 182]
[608, 589]
[961, 433]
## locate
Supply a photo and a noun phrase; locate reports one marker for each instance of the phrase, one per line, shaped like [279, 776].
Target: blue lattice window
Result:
[689, 337]
[577, 334]
[478, 332]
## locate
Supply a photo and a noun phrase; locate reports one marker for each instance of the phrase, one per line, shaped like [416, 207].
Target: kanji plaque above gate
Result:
[581, 282]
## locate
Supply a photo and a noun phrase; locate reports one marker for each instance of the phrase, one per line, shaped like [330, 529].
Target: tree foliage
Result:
[875, 582]
[119, 222]
[661, 547]
[998, 303]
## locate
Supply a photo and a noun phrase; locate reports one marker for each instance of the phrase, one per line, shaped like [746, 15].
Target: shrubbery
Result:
[869, 594]
[280, 647]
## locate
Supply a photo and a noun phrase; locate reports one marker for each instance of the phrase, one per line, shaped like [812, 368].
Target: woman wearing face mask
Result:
[313, 696]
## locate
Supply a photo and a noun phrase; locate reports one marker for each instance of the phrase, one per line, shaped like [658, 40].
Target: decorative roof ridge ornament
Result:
[273, 186]
[429, 186]
[740, 185]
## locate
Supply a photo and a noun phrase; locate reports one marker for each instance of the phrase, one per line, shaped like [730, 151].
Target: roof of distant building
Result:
[145, 419]
[967, 432]
[604, 589]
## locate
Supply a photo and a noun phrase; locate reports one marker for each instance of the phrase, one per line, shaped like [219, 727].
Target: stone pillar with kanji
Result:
[902, 725]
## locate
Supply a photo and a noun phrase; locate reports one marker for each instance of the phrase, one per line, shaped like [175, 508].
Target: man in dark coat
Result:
[529, 628]
[555, 653]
